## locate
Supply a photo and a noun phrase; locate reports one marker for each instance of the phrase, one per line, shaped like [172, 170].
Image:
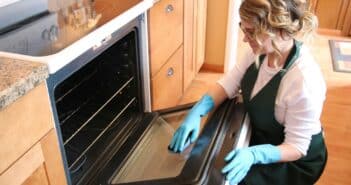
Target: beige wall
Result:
[216, 30]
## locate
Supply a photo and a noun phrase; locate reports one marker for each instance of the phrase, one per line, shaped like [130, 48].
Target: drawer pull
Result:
[170, 72]
[169, 8]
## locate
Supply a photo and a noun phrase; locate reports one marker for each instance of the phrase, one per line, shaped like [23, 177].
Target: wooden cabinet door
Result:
[25, 168]
[195, 12]
[37, 177]
[347, 25]
[30, 151]
[333, 15]
[42, 164]
[167, 84]
[53, 160]
[165, 31]
[23, 123]
[328, 13]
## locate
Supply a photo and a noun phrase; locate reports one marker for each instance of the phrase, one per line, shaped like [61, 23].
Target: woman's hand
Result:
[240, 161]
[190, 128]
[186, 133]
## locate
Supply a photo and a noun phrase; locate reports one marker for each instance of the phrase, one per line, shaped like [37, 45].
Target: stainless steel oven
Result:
[96, 91]
[108, 136]
[100, 95]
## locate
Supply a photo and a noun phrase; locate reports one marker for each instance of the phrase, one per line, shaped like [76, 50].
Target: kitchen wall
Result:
[216, 32]
[221, 34]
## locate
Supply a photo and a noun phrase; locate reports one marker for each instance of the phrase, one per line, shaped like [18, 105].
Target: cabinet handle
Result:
[169, 8]
[170, 72]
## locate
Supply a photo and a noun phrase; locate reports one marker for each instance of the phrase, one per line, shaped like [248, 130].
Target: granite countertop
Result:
[17, 77]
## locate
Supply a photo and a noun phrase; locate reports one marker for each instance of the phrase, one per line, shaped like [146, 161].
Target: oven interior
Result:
[100, 102]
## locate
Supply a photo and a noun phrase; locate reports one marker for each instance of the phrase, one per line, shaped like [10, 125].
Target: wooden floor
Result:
[336, 116]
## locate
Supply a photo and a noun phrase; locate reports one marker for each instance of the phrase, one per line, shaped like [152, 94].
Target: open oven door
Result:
[145, 159]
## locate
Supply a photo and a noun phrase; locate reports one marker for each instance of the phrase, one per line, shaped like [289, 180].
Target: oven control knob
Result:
[45, 34]
[50, 34]
[53, 33]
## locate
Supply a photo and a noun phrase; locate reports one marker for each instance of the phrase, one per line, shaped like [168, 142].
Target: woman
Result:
[283, 91]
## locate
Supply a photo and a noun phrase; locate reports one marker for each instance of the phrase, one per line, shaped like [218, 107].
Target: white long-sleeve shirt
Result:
[299, 100]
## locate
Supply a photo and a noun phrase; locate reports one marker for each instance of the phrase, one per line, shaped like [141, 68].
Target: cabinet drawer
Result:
[167, 84]
[165, 31]
[23, 123]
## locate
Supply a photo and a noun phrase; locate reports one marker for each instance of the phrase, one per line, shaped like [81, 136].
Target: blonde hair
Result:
[290, 18]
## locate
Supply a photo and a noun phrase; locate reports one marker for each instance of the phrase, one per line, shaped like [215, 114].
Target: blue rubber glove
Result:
[190, 127]
[240, 161]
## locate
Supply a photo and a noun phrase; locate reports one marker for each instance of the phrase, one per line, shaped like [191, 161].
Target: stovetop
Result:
[69, 28]
[63, 23]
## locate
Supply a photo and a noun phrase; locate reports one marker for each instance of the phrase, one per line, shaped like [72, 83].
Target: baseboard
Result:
[330, 32]
[213, 68]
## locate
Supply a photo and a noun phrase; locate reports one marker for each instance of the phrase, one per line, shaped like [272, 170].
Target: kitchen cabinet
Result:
[334, 16]
[30, 151]
[195, 13]
[177, 48]
[166, 38]
[167, 83]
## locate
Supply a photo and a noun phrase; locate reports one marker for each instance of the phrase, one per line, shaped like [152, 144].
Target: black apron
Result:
[267, 130]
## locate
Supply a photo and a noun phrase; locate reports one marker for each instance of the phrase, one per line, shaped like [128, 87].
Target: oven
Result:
[107, 133]
[100, 96]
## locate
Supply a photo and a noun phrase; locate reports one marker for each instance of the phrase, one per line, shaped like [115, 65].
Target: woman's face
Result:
[249, 37]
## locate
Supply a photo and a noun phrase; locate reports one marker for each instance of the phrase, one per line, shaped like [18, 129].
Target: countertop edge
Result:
[32, 77]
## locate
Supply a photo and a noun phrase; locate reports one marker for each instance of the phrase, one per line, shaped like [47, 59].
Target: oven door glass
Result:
[147, 160]
[144, 157]
[151, 159]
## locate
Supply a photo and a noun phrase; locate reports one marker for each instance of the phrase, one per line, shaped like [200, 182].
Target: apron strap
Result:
[293, 55]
